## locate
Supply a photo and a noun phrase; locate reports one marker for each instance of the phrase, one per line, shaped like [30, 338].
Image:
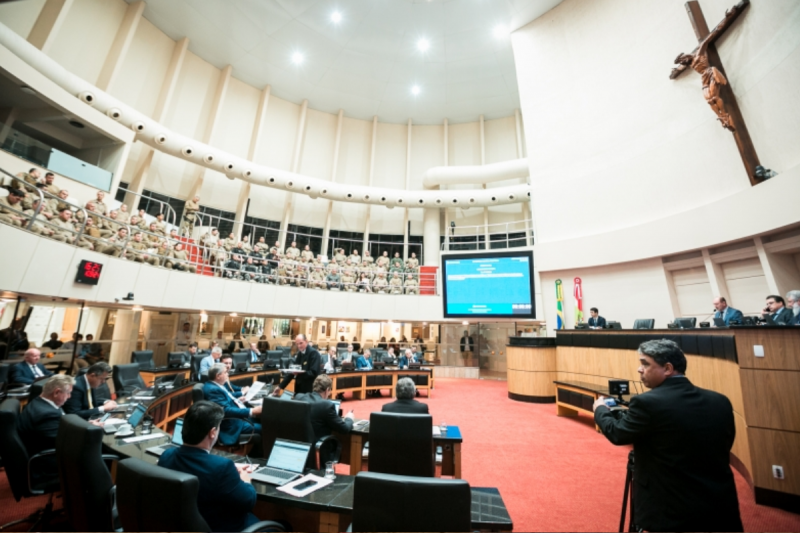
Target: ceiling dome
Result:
[426, 60]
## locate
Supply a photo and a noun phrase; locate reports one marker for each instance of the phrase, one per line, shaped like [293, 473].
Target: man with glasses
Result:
[309, 361]
[83, 400]
[240, 420]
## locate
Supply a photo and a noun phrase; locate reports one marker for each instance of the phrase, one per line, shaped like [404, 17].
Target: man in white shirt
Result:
[208, 361]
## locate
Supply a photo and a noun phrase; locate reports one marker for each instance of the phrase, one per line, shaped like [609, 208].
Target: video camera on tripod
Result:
[618, 388]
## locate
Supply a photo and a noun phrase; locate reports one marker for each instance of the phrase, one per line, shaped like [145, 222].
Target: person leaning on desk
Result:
[726, 312]
[308, 360]
[225, 498]
[83, 401]
[682, 437]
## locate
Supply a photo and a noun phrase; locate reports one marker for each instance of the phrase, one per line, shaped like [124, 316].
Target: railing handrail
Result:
[162, 203]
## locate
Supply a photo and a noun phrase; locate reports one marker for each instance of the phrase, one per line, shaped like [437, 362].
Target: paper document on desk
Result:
[437, 432]
[145, 398]
[309, 483]
[114, 421]
[254, 388]
[140, 438]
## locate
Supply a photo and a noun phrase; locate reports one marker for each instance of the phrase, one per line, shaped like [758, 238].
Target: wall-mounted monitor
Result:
[491, 284]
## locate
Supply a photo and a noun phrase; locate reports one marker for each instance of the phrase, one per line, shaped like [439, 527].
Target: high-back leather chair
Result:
[401, 444]
[197, 393]
[153, 498]
[644, 323]
[386, 502]
[127, 378]
[85, 480]
[4, 369]
[20, 467]
[196, 360]
[291, 420]
[144, 358]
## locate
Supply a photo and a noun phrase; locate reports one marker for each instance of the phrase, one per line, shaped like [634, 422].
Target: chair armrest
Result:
[43, 453]
[337, 450]
[265, 525]
[109, 459]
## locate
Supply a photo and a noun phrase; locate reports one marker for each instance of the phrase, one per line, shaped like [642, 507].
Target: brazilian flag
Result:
[560, 305]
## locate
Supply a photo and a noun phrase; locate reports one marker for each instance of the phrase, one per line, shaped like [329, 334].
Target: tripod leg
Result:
[628, 480]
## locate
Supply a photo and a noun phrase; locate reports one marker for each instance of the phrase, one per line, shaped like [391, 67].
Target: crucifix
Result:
[705, 61]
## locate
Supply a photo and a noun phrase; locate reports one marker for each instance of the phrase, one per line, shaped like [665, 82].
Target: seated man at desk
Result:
[726, 312]
[253, 353]
[776, 309]
[365, 361]
[190, 353]
[83, 400]
[239, 419]
[30, 369]
[237, 391]
[208, 362]
[350, 355]
[324, 418]
[405, 402]
[596, 321]
[406, 359]
[225, 498]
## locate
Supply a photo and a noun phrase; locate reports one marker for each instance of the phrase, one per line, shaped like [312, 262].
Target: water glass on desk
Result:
[330, 472]
[443, 427]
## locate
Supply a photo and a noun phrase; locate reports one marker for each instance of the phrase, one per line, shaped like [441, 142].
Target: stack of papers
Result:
[314, 483]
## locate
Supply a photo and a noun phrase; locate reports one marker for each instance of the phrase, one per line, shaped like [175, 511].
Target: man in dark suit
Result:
[238, 417]
[324, 418]
[596, 321]
[38, 423]
[406, 359]
[309, 362]
[225, 498]
[188, 355]
[236, 390]
[682, 437]
[84, 400]
[776, 309]
[29, 370]
[466, 344]
[405, 402]
[726, 312]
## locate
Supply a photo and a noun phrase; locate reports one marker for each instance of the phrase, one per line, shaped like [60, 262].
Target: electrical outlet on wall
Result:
[777, 471]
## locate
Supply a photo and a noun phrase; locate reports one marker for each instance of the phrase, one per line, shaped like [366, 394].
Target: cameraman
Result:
[682, 437]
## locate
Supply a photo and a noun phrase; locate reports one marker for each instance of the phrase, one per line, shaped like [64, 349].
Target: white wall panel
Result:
[279, 135]
[194, 95]
[85, 38]
[21, 16]
[180, 289]
[501, 139]
[354, 152]
[234, 127]
[267, 203]
[45, 275]
[13, 266]
[151, 286]
[427, 150]
[144, 67]
[320, 135]
[208, 296]
[747, 285]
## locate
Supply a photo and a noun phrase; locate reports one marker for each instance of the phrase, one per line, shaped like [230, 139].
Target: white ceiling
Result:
[368, 63]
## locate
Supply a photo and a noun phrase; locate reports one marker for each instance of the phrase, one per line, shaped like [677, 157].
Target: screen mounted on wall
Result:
[498, 285]
[88, 272]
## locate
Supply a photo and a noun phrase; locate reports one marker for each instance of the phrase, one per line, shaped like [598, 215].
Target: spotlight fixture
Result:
[500, 31]
[336, 17]
[415, 90]
[423, 45]
[297, 58]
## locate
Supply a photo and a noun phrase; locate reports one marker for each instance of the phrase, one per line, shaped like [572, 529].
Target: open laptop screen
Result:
[137, 415]
[289, 455]
[177, 434]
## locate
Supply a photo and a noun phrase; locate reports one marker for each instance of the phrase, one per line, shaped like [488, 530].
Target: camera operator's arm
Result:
[622, 427]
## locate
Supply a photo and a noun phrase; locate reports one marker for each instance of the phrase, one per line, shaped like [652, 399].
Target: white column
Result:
[120, 46]
[298, 148]
[408, 181]
[523, 207]
[49, 22]
[326, 233]
[371, 173]
[125, 335]
[255, 138]
[430, 235]
[446, 209]
[483, 162]
[716, 277]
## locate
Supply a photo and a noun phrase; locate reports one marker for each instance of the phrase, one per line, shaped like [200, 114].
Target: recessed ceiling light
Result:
[415, 90]
[501, 31]
[336, 17]
[297, 58]
[423, 45]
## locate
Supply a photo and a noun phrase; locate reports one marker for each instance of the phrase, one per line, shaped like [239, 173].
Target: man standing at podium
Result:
[596, 321]
[308, 360]
[725, 312]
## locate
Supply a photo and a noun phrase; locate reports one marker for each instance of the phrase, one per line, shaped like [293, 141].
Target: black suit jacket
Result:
[38, 425]
[598, 322]
[78, 403]
[682, 437]
[324, 418]
[310, 363]
[411, 407]
[467, 344]
[22, 373]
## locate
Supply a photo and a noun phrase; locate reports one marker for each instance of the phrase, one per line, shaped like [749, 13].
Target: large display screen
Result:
[498, 285]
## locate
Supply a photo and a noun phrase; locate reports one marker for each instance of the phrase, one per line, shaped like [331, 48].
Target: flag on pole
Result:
[560, 305]
[578, 301]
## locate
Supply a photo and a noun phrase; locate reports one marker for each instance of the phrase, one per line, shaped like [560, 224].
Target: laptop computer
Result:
[720, 323]
[175, 442]
[286, 463]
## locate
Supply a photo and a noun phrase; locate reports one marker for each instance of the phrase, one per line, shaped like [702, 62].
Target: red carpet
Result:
[555, 474]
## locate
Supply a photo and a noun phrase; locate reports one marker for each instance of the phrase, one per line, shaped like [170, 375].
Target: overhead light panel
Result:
[423, 45]
[336, 17]
[297, 58]
[415, 90]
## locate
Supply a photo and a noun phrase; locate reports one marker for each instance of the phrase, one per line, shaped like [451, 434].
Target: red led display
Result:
[88, 272]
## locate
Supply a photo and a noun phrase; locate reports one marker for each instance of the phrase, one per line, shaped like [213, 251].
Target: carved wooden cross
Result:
[706, 61]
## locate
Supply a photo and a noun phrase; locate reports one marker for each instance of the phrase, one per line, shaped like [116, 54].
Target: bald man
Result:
[30, 369]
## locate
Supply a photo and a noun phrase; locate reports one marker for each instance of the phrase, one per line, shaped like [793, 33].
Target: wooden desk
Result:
[358, 382]
[150, 375]
[764, 391]
[353, 444]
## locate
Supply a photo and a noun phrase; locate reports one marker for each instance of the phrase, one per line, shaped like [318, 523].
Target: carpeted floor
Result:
[555, 474]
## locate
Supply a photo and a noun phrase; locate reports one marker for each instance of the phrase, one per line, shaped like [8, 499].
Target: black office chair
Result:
[687, 322]
[291, 420]
[153, 498]
[386, 502]
[3, 381]
[144, 358]
[241, 359]
[401, 444]
[21, 468]
[126, 379]
[85, 479]
[644, 323]
[197, 393]
[196, 360]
